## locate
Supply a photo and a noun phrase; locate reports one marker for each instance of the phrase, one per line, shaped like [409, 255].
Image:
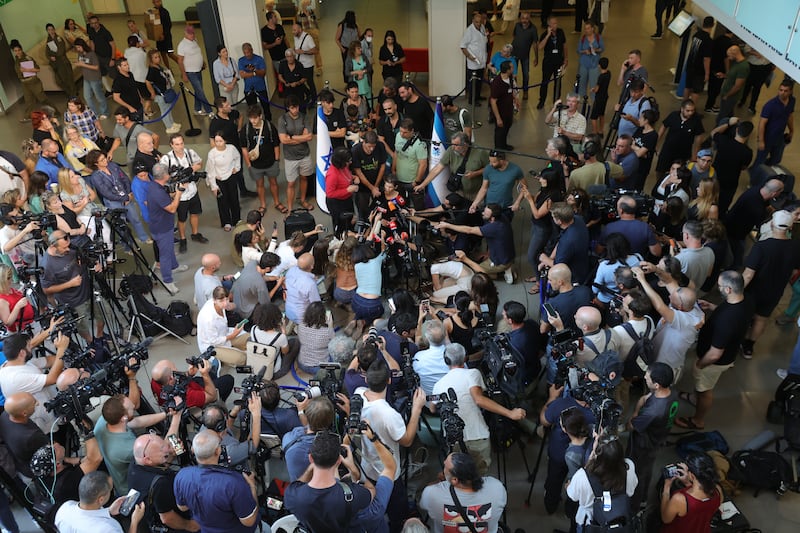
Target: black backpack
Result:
[791, 419]
[653, 104]
[179, 318]
[617, 518]
[762, 470]
[643, 352]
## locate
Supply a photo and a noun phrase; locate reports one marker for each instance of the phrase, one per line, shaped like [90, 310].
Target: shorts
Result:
[765, 308]
[366, 308]
[599, 108]
[143, 92]
[84, 311]
[297, 168]
[272, 171]
[192, 205]
[705, 379]
[695, 82]
[490, 268]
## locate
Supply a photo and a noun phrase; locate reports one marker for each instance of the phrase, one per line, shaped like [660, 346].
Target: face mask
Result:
[368, 39]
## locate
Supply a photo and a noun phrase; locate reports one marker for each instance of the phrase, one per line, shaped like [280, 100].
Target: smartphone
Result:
[550, 309]
[274, 225]
[441, 315]
[129, 502]
[484, 308]
[391, 305]
[242, 323]
[426, 304]
[670, 471]
[236, 276]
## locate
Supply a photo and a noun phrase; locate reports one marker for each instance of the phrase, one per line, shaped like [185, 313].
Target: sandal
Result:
[534, 289]
[687, 423]
[689, 398]
[307, 205]
[532, 279]
[262, 210]
[282, 208]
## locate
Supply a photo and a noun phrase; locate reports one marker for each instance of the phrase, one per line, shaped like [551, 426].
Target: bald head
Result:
[772, 189]
[48, 145]
[211, 262]
[588, 318]
[162, 371]
[150, 450]
[684, 299]
[626, 205]
[20, 405]
[560, 274]
[144, 142]
[305, 262]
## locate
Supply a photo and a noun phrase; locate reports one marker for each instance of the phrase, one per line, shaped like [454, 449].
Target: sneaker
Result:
[156, 266]
[508, 275]
[200, 113]
[782, 373]
[182, 246]
[747, 349]
[103, 117]
[181, 268]
[656, 36]
[715, 110]
[172, 288]
[198, 237]
[175, 128]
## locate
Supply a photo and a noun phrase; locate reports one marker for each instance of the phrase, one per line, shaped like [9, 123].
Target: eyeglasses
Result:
[144, 452]
[65, 237]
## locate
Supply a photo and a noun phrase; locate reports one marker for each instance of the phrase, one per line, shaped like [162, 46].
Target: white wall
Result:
[446, 24]
[239, 20]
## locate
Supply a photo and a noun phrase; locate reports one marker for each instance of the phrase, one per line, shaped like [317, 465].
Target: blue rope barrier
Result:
[167, 112]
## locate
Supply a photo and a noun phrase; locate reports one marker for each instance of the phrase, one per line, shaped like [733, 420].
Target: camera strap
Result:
[461, 510]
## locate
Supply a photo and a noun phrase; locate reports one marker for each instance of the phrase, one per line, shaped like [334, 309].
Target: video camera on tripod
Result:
[181, 175]
[46, 221]
[599, 396]
[452, 424]
[250, 384]
[606, 206]
[73, 403]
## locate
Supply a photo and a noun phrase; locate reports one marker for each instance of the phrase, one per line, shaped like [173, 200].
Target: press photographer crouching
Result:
[196, 391]
[66, 279]
[691, 495]
[216, 418]
[21, 231]
[317, 414]
[469, 388]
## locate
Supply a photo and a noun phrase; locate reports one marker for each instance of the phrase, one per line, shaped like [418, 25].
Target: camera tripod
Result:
[121, 233]
[586, 105]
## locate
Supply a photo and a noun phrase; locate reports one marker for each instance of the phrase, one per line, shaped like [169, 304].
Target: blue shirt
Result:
[51, 168]
[498, 59]
[254, 83]
[296, 446]
[368, 275]
[629, 164]
[218, 510]
[500, 241]
[501, 184]
[161, 220]
[139, 188]
[631, 108]
[559, 440]
[590, 61]
[777, 116]
[301, 290]
[573, 249]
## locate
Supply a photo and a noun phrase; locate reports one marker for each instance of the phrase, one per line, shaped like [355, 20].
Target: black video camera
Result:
[598, 395]
[195, 360]
[250, 384]
[181, 175]
[606, 206]
[73, 403]
[46, 221]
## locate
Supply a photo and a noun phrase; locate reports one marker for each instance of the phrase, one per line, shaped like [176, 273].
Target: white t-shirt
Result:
[388, 425]
[29, 378]
[137, 60]
[212, 328]
[474, 41]
[461, 380]
[580, 490]
[288, 260]
[625, 341]
[192, 55]
[673, 340]
[430, 367]
[72, 519]
[305, 42]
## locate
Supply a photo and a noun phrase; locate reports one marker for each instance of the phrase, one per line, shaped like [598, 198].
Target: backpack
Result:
[617, 518]
[643, 352]
[762, 470]
[791, 419]
[179, 318]
[607, 364]
[653, 104]
[701, 441]
[777, 407]
[505, 365]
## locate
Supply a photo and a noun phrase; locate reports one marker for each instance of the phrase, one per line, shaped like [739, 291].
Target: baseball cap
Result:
[782, 219]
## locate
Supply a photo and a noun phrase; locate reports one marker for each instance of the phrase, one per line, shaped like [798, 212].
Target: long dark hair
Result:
[618, 248]
[390, 33]
[483, 291]
[462, 300]
[349, 20]
[703, 468]
[608, 464]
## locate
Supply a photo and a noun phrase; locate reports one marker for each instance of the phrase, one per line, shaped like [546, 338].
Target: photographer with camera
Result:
[356, 374]
[429, 363]
[639, 234]
[216, 418]
[650, 425]
[464, 488]
[151, 475]
[274, 419]
[200, 390]
[317, 414]
[20, 434]
[219, 498]
[692, 496]
[393, 432]
[524, 336]
[22, 373]
[18, 243]
[162, 206]
[182, 159]
[468, 385]
[115, 435]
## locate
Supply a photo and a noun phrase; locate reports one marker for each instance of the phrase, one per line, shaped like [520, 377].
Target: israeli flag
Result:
[324, 152]
[437, 189]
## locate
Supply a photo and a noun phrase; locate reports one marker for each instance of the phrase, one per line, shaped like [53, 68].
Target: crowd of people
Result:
[639, 279]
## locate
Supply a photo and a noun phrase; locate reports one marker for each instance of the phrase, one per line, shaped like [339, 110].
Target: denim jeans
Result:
[587, 82]
[167, 115]
[200, 100]
[132, 216]
[93, 91]
[166, 252]
[794, 363]
[525, 64]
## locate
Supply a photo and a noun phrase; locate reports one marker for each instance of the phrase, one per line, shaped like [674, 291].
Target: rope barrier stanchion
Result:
[192, 131]
[269, 102]
[164, 113]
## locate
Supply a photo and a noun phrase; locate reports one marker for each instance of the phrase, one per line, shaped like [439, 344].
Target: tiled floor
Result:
[743, 393]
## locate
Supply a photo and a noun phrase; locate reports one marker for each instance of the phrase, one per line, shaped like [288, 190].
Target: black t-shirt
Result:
[773, 261]
[292, 76]
[602, 87]
[649, 141]
[387, 131]
[653, 423]
[700, 49]
[248, 138]
[163, 497]
[228, 128]
[325, 509]
[422, 115]
[719, 50]
[370, 164]
[157, 79]
[269, 36]
[126, 87]
[397, 100]
[102, 41]
[748, 211]
[553, 51]
[334, 121]
[395, 71]
[141, 159]
[725, 329]
[681, 134]
[22, 441]
[60, 269]
[499, 241]
[67, 482]
[567, 304]
[732, 157]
